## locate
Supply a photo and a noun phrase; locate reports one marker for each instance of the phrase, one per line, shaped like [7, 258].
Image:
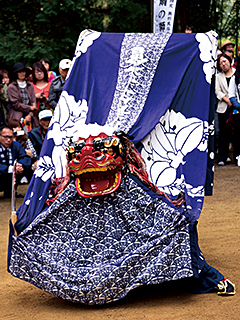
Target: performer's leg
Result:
[206, 277]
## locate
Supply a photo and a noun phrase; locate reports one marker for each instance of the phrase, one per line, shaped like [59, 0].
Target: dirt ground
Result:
[218, 228]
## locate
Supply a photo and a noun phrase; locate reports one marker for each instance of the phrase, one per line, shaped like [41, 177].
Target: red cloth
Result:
[38, 90]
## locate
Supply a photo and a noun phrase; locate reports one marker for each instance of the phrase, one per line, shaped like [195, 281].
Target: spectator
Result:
[57, 84]
[37, 135]
[233, 94]
[227, 47]
[21, 136]
[3, 101]
[235, 63]
[189, 29]
[29, 78]
[5, 77]
[41, 86]
[9, 152]
[219, 53]
[22, 97]
[223, 107]
[51, 74]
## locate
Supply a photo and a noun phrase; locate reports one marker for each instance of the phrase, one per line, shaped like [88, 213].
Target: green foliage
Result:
[33, 29]
[222, 16]
[130, 16]
[231, 23]
[193, 13]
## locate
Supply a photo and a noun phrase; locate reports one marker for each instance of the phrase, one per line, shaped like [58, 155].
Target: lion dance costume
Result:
[107, 229]
[97, 220]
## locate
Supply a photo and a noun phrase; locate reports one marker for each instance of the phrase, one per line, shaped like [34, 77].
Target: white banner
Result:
[163, 15]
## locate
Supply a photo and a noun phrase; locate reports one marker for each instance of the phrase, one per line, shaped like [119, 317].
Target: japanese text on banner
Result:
[163, 15]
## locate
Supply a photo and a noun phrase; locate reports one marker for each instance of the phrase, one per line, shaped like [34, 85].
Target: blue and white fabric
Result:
[158, 91]
[2, 156]
[95, 250]
[156, 87]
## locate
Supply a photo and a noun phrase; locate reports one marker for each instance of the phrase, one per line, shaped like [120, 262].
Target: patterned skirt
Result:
[95, 250]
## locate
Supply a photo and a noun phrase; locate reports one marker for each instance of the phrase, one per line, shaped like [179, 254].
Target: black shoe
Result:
[226, 288]
[19, 195]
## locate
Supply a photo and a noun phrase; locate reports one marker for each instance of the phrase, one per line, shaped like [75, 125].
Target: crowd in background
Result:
[227, 116]
[28, 97]
[227, 111]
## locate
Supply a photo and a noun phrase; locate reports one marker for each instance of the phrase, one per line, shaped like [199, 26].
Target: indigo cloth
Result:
[157, 88]
[95, 250]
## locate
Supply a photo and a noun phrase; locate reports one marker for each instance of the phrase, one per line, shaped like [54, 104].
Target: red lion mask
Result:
[99, 163]
[96, 163]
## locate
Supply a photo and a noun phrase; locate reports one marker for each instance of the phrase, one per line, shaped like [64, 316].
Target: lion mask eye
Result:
[107, 143]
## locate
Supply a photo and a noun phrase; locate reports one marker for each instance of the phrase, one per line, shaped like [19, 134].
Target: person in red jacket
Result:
[41, 86]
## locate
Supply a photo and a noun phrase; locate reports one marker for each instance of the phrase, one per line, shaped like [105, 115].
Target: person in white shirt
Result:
[233, 95]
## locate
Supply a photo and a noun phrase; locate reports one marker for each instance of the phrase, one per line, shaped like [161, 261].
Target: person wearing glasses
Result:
[41, 86]
[9, 152]
[51, 74]
[227, 47]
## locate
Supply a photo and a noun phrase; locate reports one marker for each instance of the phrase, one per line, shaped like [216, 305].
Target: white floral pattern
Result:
[166, 146]
[68, 117]
[45, 168]
[138, 59]
[85, 40]
[95, 250]
[208, 43]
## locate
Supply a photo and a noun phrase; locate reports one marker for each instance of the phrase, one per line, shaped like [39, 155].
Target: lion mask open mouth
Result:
[96, 163]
